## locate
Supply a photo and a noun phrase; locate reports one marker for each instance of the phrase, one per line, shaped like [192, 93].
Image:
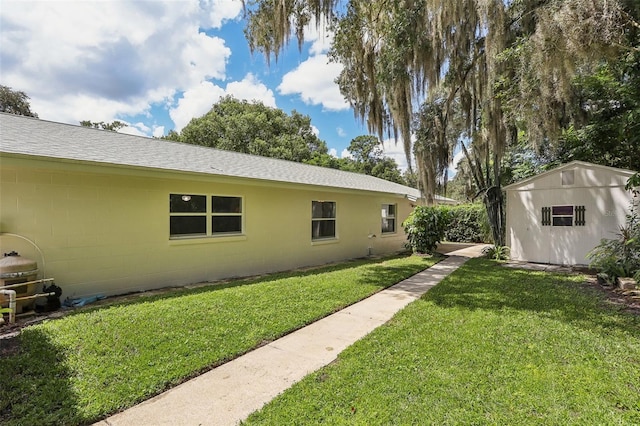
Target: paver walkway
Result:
[228, 394]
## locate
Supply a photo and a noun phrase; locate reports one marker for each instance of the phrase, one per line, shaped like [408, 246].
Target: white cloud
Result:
[100, 60]
[313, 80]
[341, 132]
[195, 102]
[199, 99]
[158, 131]
[395, 150]
[344, 154]
[220, 10]
[320, 37]
[132, 130]
[315, 130]
[251, 89]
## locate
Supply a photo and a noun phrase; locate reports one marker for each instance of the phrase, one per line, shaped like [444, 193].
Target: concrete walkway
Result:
[228, 394]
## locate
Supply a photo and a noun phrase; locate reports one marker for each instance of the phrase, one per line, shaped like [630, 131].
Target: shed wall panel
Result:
[606, 204]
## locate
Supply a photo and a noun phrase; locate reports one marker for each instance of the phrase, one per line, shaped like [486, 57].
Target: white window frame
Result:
[384, 217]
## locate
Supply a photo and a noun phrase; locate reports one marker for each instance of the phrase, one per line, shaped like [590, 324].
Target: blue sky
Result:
[157, 64]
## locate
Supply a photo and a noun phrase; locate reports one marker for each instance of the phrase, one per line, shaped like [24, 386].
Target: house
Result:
[109, 213]
[559, 216]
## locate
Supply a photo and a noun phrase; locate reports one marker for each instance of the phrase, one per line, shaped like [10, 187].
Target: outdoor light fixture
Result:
[186, 198]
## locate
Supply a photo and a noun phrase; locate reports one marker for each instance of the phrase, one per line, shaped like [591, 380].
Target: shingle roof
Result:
[571, 165]
[39, 138]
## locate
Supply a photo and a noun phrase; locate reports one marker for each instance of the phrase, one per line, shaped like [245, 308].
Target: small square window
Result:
[567, 177]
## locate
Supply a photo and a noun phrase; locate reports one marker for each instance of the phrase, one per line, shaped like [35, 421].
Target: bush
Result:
[619, 257]
[425, 228]
[467, 224]
[496, 252]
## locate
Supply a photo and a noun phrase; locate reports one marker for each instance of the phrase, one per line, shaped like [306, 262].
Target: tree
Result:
[366, 149]
[15, 102]
[368, 158]
[503, 65]
[253, 128]
[611, 107]
[114, 126]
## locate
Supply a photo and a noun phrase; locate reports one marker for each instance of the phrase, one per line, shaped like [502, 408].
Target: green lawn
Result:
[80, 368]
[488, 345]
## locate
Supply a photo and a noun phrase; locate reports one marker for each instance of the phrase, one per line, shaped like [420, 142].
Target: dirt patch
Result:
[624, 300]
[9, 346]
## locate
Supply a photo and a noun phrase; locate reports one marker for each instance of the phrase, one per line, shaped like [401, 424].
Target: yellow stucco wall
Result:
[105, 229]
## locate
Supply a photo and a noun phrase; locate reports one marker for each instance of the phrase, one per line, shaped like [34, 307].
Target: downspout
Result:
[12, 304]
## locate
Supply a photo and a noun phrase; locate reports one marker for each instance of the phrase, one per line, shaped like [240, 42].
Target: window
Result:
[388, 218]
[323, 219]
[563, 216]
[188, 214]
[226, 217]
[198, 215]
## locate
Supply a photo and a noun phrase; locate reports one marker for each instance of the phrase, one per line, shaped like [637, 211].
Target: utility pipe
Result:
[34, 296]
[12, 304]
[46, 280]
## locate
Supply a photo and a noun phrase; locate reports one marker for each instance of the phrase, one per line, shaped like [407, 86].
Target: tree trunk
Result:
[494, 203]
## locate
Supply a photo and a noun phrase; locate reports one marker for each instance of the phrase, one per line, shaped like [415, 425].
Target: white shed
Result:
[558, 216]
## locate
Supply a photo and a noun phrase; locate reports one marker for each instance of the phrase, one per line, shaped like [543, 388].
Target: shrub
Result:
[496, 252]
[467, 224]
[425, 228]
[619, 257]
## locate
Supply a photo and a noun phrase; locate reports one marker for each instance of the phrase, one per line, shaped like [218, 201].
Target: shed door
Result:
[528, 239]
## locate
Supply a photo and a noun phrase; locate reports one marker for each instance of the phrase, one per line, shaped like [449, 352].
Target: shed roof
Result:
[569, 166]
[26, 136]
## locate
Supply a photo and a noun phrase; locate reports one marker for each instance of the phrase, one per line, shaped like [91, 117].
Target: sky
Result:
[156, 64]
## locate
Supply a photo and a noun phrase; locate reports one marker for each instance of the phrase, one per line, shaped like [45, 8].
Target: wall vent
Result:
[567, 177]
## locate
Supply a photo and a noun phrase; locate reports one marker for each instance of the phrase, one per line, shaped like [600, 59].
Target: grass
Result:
[80, 368]
[488, 345]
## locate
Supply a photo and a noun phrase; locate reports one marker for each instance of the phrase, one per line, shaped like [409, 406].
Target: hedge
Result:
[467, 224]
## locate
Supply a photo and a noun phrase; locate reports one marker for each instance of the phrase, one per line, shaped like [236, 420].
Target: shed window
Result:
[388, 218]
[200, 216]
[567, 177]
[563, 216]
[323, 220]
